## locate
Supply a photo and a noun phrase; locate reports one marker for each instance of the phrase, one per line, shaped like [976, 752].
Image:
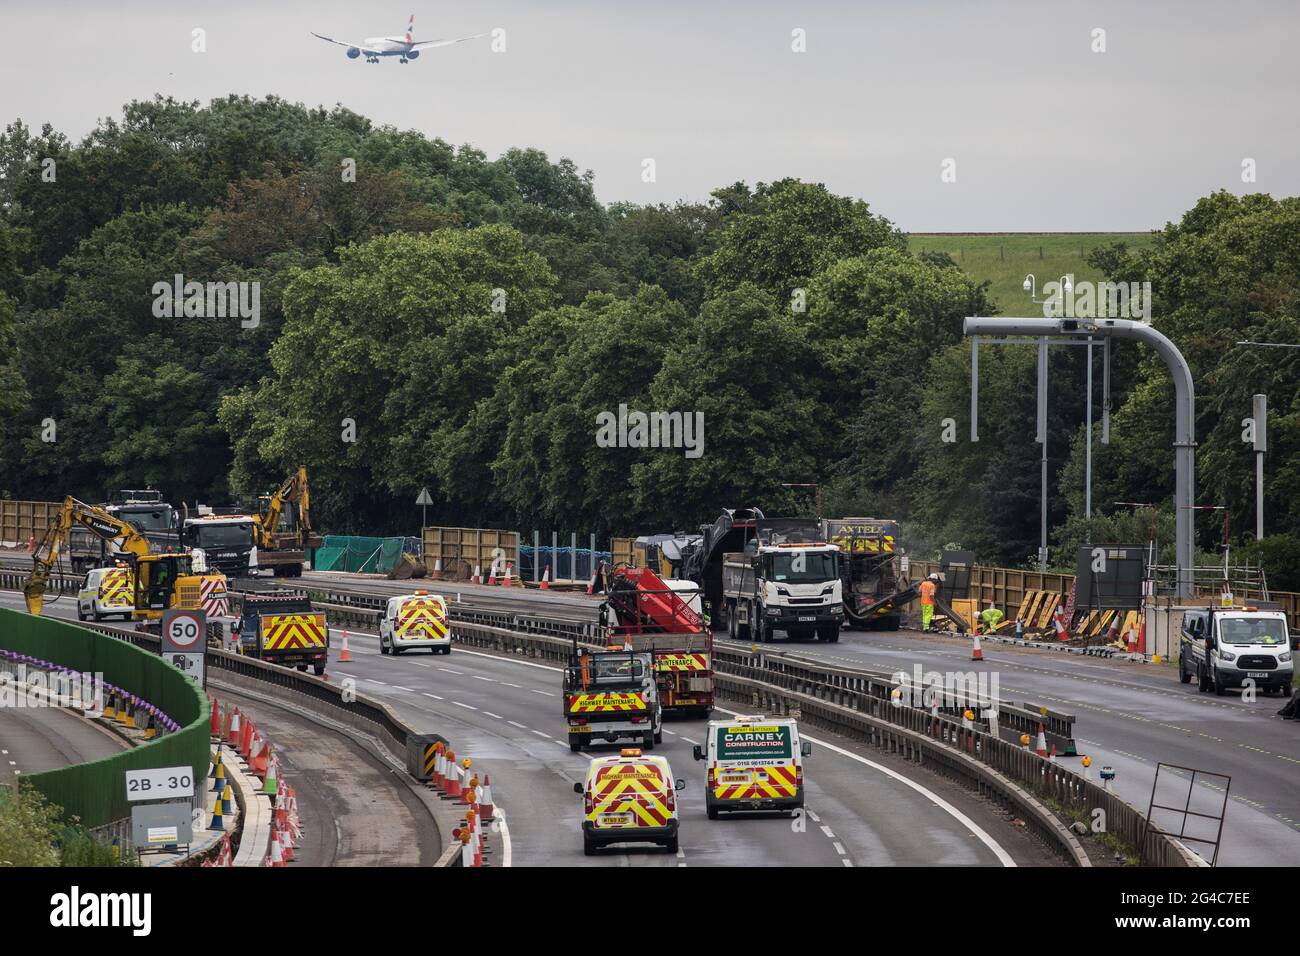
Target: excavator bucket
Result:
[34, 591]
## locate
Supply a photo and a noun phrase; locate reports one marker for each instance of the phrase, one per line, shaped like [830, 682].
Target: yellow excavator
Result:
[162, 581]
[285, 551]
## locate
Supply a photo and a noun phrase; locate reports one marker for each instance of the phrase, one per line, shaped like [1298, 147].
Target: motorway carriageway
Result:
[507, 716]
[1130, 716]
[355, 810]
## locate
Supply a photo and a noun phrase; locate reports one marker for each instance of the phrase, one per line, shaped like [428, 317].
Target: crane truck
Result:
[643, 612]
[160, 581]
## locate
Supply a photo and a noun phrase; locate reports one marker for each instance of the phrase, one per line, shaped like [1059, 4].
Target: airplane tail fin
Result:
[410, 29]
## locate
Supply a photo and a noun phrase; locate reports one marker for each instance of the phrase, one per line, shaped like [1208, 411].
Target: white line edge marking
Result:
[504, 829]
[1003, 856]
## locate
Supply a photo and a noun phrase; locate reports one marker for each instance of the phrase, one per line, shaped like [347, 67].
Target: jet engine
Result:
[353, 52]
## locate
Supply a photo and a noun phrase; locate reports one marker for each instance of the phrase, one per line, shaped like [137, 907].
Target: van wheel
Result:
[1219, 689]
[648, 740]
[96, 616]
[575, 744]
[659, 736]
[383, 648]
[396, 650]
[713, 813]
[588, 847]
[1202, 681]
[447, 649]
[1183, 675]
[318, 670]
[671, 845]
[81, 615]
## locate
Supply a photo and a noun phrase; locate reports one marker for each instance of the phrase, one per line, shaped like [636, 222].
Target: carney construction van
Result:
[754, 763]
[415, 620]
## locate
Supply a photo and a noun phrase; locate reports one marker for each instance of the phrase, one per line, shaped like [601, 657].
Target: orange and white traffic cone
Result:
[235, 728]
[591, 585]
[477, 576]
[976, 654]
[276, 857]
[492, 574]
[344, 656]
[470, 793]
[1132, 639]
[436, 574]
[453, 776]
[214, 729]
[1040, 745]
[438, 766]
[1058, 622]
[485, 798]
[546, 577]
[1112, 631]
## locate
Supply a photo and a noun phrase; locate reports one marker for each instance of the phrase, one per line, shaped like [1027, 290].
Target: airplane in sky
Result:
[403, 47]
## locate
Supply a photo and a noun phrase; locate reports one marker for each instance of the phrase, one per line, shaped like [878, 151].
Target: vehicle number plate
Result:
[615, 819]
[1257, 673]
[579, 730]
[808, 617]
[729, 778]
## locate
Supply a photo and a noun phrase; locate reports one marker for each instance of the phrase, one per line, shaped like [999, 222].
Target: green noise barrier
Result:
[95, 792]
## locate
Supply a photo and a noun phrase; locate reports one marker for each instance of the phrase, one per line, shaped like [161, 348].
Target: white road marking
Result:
[813, 816]
[544, 693]
[1003, 856]
[498, 657]
[499, 825]
[689, 741]
[466, 706]
[419, 664]
[450, 671]
[379, 682]
[491, 680]
[490, 714]
[508, 684]
[839, 848]
[400, 687]
[829, 834]
[847, 862]
[540, 734]
[670, 733]
[434, 696]
[514, 723]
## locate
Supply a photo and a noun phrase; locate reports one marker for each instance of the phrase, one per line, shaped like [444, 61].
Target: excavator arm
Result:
[99, 522]
[293, 490]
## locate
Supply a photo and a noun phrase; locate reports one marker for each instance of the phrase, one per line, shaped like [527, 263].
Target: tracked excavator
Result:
[286, 551]
[161, 581]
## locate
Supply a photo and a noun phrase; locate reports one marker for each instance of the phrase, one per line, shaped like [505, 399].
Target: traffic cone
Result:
[492, 574]
[216, 823]
[216, 759]
[1040, 745]
[1058, 622]
[236, 725]
[477, 577]
[436, 777]
[277, 857]
[976, 654]
[214, 729]
[506, 582]
[258, 763]
[111, 710]
[436, 574]
[226, 798]
[453, 775]
[1142, 634]
[344, 656]
[246, 738]
[1051, 754]
[466, 853]
[286, 845]
[470, 793]
[150, 728]
[1132, 639]
[485, 805]
[219, 780]
[272, 774]
[1112, 631]
[546, 577]
[591, 585]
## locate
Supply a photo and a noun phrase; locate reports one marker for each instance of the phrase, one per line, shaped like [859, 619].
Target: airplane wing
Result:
[359, 46]
[433, 43]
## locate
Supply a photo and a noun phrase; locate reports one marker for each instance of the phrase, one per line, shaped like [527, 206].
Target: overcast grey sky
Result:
[1046, 134]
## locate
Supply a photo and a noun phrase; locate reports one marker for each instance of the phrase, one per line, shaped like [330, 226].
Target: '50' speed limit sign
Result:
[184, 631]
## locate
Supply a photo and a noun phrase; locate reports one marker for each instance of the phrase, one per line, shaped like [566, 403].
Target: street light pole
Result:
[1260, 415]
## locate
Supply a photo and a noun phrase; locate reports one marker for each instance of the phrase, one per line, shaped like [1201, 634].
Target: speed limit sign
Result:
[184, 641]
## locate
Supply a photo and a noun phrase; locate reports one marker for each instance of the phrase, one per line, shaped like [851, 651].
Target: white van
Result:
[631, 798]
[755, 763]
[415, 620]
[106, 591]
[1225, 647]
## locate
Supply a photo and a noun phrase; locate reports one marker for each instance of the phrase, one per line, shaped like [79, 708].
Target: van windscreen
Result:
[1252, 630]
[755, 743]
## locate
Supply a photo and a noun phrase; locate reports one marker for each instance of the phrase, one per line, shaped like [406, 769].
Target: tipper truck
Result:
[868, 570]
[284, 629]
[787, 579]
[643, 612]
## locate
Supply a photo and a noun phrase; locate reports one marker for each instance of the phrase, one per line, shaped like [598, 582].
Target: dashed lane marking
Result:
[490, 680]
[434, 696]
[515, 723]
[451, 671]
[540, 734]
[400, 687]
[466, 706]
[490, 714]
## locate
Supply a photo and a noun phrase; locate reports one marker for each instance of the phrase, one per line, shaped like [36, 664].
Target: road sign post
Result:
[424, 500]
[185, 642]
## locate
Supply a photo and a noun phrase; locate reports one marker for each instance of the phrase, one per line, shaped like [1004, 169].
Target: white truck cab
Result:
[1224, 647]
[106, 591]
[415, 620]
